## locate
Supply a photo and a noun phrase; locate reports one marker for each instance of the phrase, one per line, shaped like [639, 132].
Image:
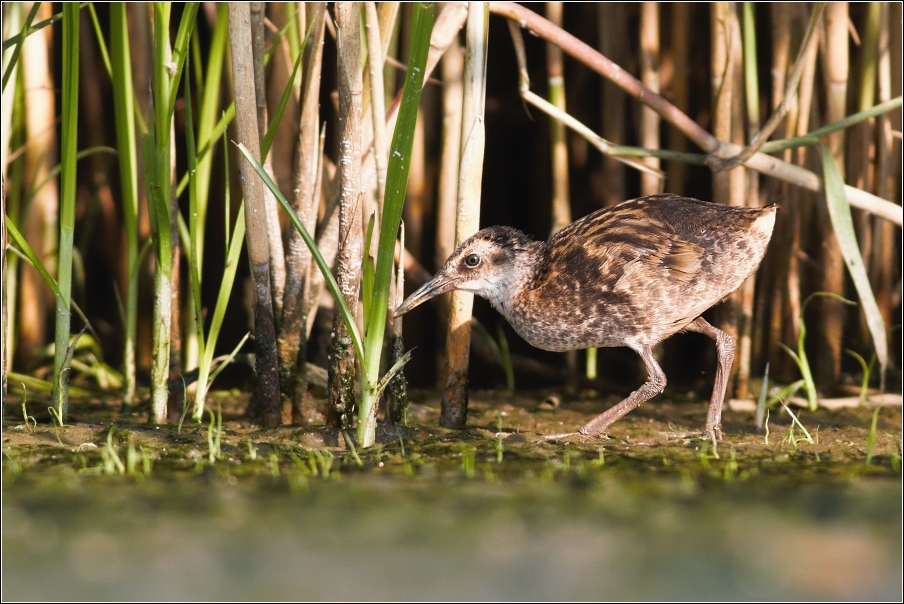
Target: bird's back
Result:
[639, 271]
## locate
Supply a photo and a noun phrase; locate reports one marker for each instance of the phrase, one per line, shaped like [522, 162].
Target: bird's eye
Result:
[472, 260]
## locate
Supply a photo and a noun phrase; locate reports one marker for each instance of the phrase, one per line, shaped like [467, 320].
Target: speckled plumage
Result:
[629, 275]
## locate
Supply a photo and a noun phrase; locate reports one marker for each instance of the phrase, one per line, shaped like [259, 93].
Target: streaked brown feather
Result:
[629, 275]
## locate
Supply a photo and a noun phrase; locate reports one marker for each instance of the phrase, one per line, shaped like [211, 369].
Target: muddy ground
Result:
[661, 432]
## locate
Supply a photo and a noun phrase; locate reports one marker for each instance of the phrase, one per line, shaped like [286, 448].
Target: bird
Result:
[629, 275]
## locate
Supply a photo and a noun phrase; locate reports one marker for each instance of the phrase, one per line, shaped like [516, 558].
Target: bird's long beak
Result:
[440, 284]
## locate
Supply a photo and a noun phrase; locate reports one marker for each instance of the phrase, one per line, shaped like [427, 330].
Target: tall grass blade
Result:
[800, 357]
[843, 224]
[813, 137]
[29, 253]
[367, 272]
[232, 263]
[761, 400]
[229, 357]
[391, 373]
[871, 438]
[284, 100]
[796, 421]
[180, 52]
[330, 280]
[105, 55]
[195, 224]
[127, 147]
[18, 40]
[168, 65]
[68, 163]
[394, 199]
[57, 169]
[867, 369]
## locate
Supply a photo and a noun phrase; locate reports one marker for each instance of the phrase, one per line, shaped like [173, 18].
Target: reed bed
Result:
[129, 186]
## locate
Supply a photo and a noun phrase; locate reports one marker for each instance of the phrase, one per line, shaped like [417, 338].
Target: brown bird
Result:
[629, 275]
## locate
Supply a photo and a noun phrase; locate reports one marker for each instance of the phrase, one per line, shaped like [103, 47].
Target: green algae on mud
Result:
[660, 437]
[296, 512]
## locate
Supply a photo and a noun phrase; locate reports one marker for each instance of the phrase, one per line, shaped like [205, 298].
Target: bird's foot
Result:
[713, 433]
[579, 435]
[560, 436]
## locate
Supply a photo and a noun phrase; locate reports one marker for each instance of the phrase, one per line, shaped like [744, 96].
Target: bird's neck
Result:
[520, 274]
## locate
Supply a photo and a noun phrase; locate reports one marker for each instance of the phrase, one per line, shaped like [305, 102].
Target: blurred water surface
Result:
[394, 537]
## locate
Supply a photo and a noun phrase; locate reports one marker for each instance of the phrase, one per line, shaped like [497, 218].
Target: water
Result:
[486, 513]
[381, 535]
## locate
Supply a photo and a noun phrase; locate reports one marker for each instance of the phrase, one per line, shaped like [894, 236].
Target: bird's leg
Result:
[725, 348]
[654, 385]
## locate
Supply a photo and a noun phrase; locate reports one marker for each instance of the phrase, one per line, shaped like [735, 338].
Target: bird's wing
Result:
[682, 260]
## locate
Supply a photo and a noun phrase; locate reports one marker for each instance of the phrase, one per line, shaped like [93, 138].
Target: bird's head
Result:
[492, 263]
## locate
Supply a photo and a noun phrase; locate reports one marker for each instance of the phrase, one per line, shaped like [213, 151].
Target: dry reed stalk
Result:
[4, 305]
[454, 412]
[257, 51]
[680, 89]
[862, 135]
[176, 366]
[383, 19]
[101, 225]
[274, 232]
[831, 313]
[737, 176]
[446, 27]
[94, 113]
[38, 221]
[780, 21]
[800, 204]
[722, 74]
[14, 19]
[802, 200]
[768, 313]
[452, 67]
[555, 72]
[379, 23]
[752, 195]
[141, 43]
[863, 156]
[884, 261]
[786, 311]
[449, 21]
[737, 310]
[719, 150]
[612, 23]
[305, 200]
[551, 110]
[397, 390]
[738, 181]
[327, 187]
[388, 13]
[561, 200]
[341, 367]
[760, 138]
[374, 73]
[374, 117]
[649, 75]
[415, 210]
[266, 364]
[282, 149]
